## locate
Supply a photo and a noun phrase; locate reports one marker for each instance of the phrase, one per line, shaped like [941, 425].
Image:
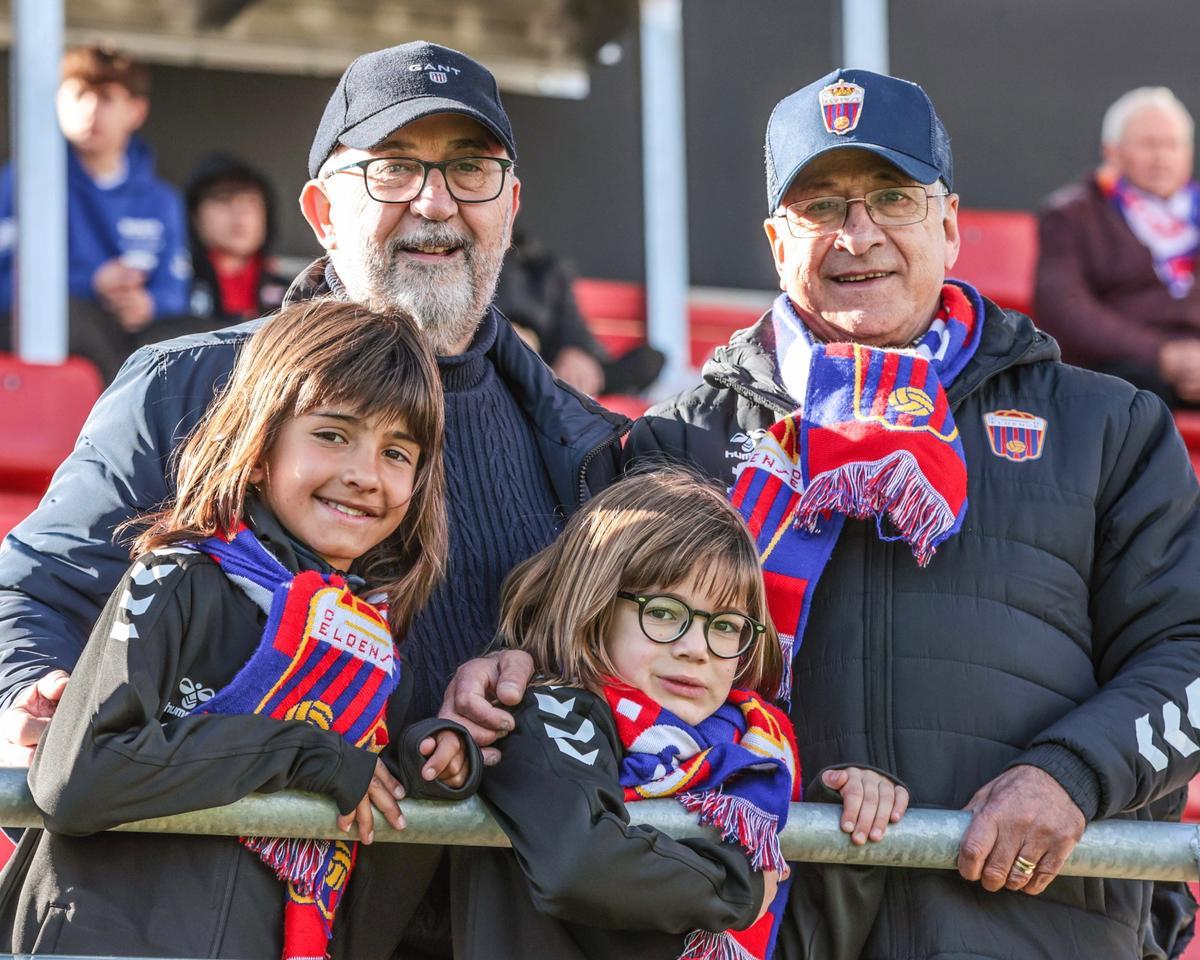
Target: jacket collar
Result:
[568, 426]
[748, 363]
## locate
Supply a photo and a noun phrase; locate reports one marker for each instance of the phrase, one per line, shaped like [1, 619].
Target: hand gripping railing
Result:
[1120, 849]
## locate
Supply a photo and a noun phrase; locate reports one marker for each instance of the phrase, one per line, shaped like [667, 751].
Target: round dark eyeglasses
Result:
[401, 179]
[664, 619]
[887, 207]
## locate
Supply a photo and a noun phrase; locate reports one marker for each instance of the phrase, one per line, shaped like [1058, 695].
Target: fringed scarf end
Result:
[297, 861]
[740, 820]
[705, 945]
[893, 487]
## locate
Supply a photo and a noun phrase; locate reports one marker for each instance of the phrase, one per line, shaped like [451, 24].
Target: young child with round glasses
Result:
[655, 655]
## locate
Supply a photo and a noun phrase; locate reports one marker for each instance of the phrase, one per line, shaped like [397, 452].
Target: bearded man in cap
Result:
[412, 194]
[984, 561]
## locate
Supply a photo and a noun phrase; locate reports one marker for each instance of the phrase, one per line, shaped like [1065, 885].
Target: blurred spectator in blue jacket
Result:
[128, 263]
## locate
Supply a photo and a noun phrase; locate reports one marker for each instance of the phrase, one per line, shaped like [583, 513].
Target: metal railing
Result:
[1119, 849]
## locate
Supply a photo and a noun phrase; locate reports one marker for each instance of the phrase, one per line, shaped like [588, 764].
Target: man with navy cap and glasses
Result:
[982, 562]
[412, 194]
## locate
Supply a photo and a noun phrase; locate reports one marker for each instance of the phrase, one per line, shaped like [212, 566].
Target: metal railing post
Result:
[40, 275]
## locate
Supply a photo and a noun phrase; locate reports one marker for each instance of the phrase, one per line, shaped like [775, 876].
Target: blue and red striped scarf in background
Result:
[326, 658]
[737, 770]
[873, 436]
[1168, 227]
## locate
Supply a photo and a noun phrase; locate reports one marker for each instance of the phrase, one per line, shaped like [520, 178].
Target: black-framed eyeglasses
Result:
[664, 619]
[887, 207]
[401, 179]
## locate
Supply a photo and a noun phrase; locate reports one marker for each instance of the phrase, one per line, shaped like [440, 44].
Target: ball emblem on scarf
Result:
[315, 712]
[911, 400]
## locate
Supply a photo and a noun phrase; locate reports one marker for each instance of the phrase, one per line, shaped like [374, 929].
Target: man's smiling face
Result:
[870, 284]
[432, 257]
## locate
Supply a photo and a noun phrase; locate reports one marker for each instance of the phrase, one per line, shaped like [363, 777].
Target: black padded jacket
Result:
[1059, 628]
[581, 882]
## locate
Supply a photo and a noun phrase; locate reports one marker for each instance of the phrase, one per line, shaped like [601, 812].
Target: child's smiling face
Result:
[339, 482]
[684, 676]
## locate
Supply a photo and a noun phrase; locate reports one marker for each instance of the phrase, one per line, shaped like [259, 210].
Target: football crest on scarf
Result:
[1015, 435]
[841, 106]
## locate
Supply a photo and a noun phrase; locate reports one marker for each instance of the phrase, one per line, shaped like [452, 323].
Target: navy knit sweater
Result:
[502, 510]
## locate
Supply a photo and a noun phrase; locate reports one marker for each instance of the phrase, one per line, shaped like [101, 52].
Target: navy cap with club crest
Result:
[887, 116]
[384, 90]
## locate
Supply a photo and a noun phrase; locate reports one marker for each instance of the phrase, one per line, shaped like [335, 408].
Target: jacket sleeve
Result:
[1066, 305]
[109, 758]
[1138, 737]
[168, 284]
[60, 564]
[556, 794]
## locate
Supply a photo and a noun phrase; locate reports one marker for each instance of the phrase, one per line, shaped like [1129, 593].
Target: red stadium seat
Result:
[632, 407]
[41, 410]
[15, 507]
[998, 255]
[614, 311]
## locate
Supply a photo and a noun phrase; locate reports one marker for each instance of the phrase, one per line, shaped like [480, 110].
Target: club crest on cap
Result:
[841, 106]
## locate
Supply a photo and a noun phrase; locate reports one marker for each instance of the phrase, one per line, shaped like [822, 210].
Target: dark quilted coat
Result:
[1060, 622]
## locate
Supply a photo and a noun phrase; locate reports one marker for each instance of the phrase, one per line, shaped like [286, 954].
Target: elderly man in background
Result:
[1116, 271]
[983, 561]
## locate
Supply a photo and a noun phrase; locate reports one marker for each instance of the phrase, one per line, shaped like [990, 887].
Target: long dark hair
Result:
[322, 352]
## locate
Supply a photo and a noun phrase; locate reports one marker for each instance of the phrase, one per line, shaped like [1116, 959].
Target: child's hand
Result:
[771, 881]
[447, 758]
[870, 801]
[384, 791]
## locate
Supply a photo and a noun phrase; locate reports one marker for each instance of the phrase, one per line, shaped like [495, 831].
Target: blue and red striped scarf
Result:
[873, 437]
[737, 770]
[1169, 228]
[326, 658]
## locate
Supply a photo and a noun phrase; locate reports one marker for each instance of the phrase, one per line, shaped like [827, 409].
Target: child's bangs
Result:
[390, 384]
[715, 555]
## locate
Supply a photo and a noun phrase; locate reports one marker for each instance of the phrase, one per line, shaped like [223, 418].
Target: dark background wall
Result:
[1020, 84]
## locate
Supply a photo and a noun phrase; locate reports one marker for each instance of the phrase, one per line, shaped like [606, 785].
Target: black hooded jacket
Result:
[1060, 628]
[125, 745]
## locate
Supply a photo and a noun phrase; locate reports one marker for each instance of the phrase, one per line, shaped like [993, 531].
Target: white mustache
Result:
[433, 236]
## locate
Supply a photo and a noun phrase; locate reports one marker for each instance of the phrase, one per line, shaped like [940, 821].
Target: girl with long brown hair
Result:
[254, 646]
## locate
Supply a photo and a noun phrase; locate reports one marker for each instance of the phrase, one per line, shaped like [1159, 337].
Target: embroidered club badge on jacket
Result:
[841, 106]
[1015, 435]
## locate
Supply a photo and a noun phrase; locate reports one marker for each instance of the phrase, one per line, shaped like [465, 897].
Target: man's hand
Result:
[384, 792]
[580, 370]
[22, 724]
[476, 685]
[1023, 813]
[1179, 364]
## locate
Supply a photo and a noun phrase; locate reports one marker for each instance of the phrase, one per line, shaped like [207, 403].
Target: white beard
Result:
[447, 300]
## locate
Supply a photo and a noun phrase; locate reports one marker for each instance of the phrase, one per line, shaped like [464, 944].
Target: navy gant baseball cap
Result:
[890, 117]
[382, 91]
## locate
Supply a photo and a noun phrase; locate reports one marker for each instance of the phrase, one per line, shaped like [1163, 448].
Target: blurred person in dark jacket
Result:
[230, 227]
[1116, 270]
[535, 294]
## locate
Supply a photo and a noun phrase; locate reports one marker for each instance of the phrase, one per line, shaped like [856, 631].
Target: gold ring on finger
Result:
[1024, 867]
